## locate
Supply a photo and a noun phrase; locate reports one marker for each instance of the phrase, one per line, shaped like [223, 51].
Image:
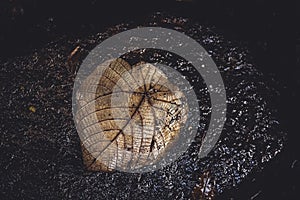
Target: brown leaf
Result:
[127, 115]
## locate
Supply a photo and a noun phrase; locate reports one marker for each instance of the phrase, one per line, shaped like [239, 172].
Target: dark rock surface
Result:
[40, 149]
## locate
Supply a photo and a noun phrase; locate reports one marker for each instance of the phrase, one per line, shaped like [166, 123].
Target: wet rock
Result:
[40, 151]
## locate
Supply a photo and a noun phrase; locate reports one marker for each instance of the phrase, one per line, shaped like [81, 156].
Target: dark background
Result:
[266, 28]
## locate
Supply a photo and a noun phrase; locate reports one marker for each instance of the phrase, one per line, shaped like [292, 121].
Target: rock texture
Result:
[41, 153]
